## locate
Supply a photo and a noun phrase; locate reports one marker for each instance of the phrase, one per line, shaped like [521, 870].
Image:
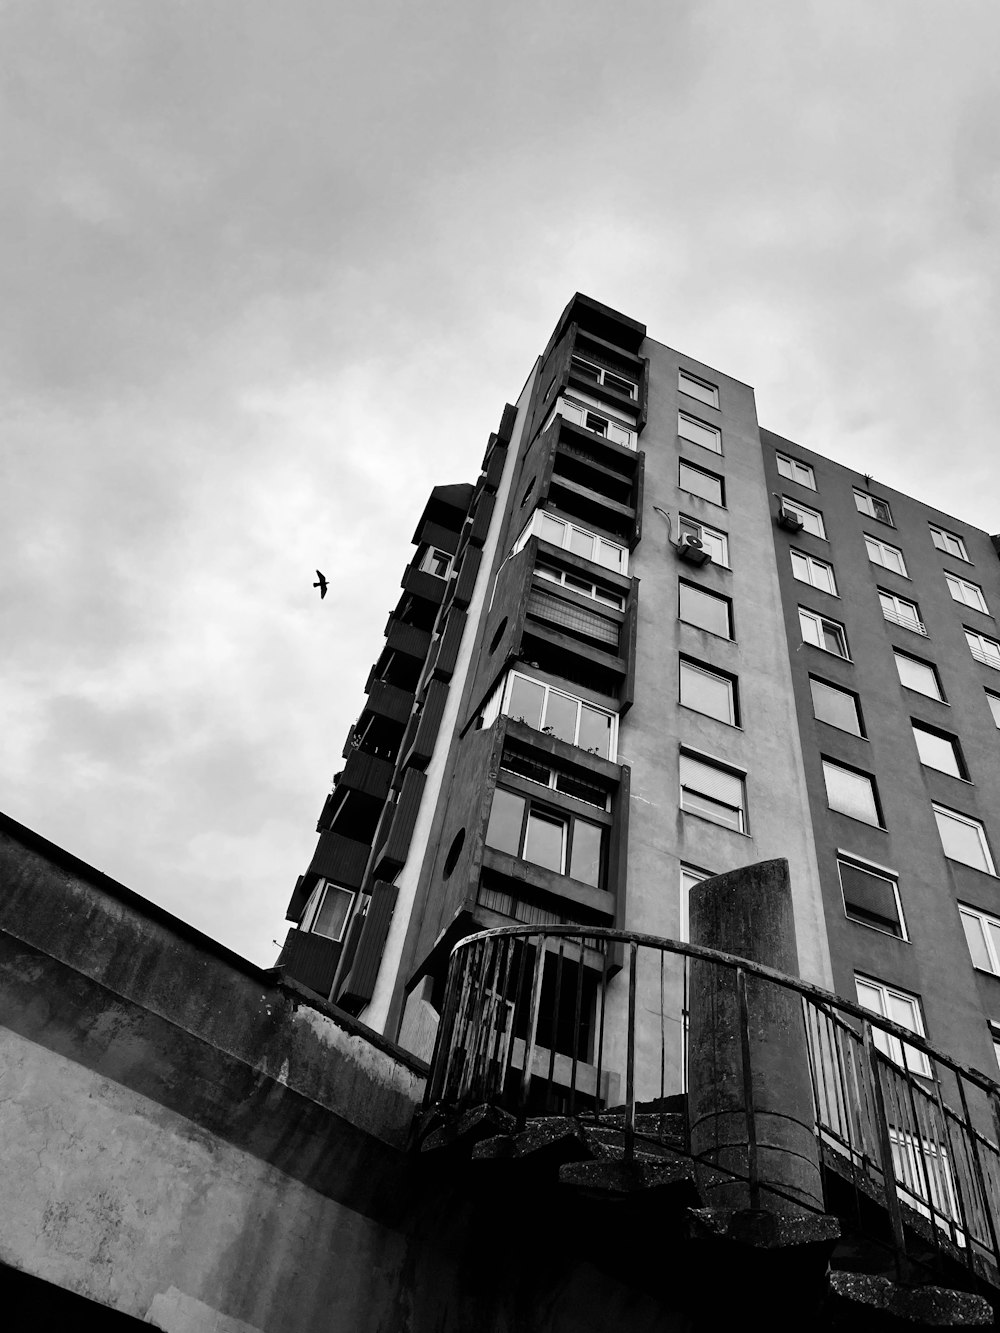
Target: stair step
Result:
[624, 1178]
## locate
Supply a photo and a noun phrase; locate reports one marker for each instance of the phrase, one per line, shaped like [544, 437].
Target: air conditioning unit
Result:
[789, 521]
[690, 548]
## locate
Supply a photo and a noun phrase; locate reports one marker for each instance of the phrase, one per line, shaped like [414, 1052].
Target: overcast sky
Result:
[271, 270]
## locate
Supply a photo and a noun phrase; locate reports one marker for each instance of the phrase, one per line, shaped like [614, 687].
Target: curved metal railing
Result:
[593, 1023]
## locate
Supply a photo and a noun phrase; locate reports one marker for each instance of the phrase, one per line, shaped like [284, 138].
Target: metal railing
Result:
[594, 1024]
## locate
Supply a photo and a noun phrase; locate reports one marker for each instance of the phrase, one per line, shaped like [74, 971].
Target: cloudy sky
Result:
[270, 271]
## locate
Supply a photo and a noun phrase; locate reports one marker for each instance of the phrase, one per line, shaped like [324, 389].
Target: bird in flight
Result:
[322, 584]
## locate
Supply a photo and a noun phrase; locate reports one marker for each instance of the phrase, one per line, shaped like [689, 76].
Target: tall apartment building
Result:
[653, 642]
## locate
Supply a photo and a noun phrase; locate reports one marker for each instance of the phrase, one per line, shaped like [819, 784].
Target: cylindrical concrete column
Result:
[748, 912]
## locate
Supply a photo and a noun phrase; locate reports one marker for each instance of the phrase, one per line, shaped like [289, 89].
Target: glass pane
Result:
[585, 369]
[581, 543]
[863, 503]
[544, 841]
[551, 530]
[526, 697]
[715, 544]
[707, 692]
[917, 676]
[994, 702]
[803, 474]
[718, 783]
[822, 576]
[504, 829]
[834, 706]
[993, 930]
[700, 804]
[850, 793]
[705, 393]
[784, 466]
[800, 567]
[619, 434]
[610, 556]
[546, 571]
[833, 638]
[560, 717]
[585, 861]
[333, 913]
[903, 1011]
[893, 560]
[880, 510]
[579, 585]
[705, 610]
[595, 732]
[617, 383]
[698, 433]
[977, 944]
[936, 751]
[810, 628]
[962, 841]
[701, 483]
[938, 538]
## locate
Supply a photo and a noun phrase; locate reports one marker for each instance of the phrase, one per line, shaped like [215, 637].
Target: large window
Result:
[698, 432]
[969, 594]
[327, 910]
[579, 784]
[709, 691]
[873, 507]
[963, 839]
[697, 388]
[586, 587]
[836, 706]
[436, 562]
[570, 537]
[796, 471]
[982, 932]
[899, 1007]
[596, 374]
[561, 715]
[937, 749]
[713, 791]
[554, 839]
[716, 543]
[899, 611]
[871, 896]
[701, 482]
[807, 569]
[822, 633]
[594, 418]
[811, 519]
[918, 675]
[705, 609]
[690, 876]
[852, 793]
[949, 543]
[889, 557]
[984, 649]
[994, 702]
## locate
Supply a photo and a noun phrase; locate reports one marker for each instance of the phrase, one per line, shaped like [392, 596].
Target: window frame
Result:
[916, 626]
[868, 505]
[982, 656]
[427, 560]
[883, 547]
[885, 1042]
[962, 552]
[793, 464]
[804, 513]
[686, 868]
[946, 812]
[714, 431]
[992, 948]
[704, 669]
[980, 603]
[861, 732]
[543, 560]
[839, 629]
[919, 725]
[720, 766]
[717, 596]
[683, 375]
[898, 653]
[578, 358]
[827, 761]
[683, 463]
[312, 909]
[992, 696]
[537, 808]
[715, 535]
[813, 562]
[535, 522]
[580, 702]
[553, 773]
[581, 410]
[877, 872]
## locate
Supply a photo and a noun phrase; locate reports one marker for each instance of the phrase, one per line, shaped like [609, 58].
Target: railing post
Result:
[753, 1168]
[531, 1038]
[633, 956]
[885, 1152]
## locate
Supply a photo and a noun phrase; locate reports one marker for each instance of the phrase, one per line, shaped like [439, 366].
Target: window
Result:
[963, 839]
[327, 910]
[595, 418]
[712, 791]
[709, 691]
[589, 545]
[697, 432]
[852, 793]
[949, 543]
[918, 675]
[690, 876]
[578, 784]
[705, 609]
[599, 375]
[807, 569]
[994, 702]
[995, 1034]
[835, 706]
[899, 611]
[700, 482]
[982, 932]
[569, 617]
[823, 633]
[969, 594]
[554, 839]
[871, 896]
[796, 471]
[811, 519]
[938, 750]
[436, 562]
[715, 543]
[561, 715]
[696, 388]
[873, 507]
[899, 1007]
[889, 557]
[548, 569]
[983, 649]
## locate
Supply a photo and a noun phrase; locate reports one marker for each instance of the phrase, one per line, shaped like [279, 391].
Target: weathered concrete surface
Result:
[749, 913]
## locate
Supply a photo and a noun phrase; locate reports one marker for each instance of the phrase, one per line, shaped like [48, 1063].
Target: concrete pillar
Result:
[748, 912]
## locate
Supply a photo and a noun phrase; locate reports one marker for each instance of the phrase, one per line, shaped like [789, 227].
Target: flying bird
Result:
[322, 584]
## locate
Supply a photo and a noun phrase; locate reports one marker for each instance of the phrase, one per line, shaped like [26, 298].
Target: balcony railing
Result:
[906, 622]
[594, 1024]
